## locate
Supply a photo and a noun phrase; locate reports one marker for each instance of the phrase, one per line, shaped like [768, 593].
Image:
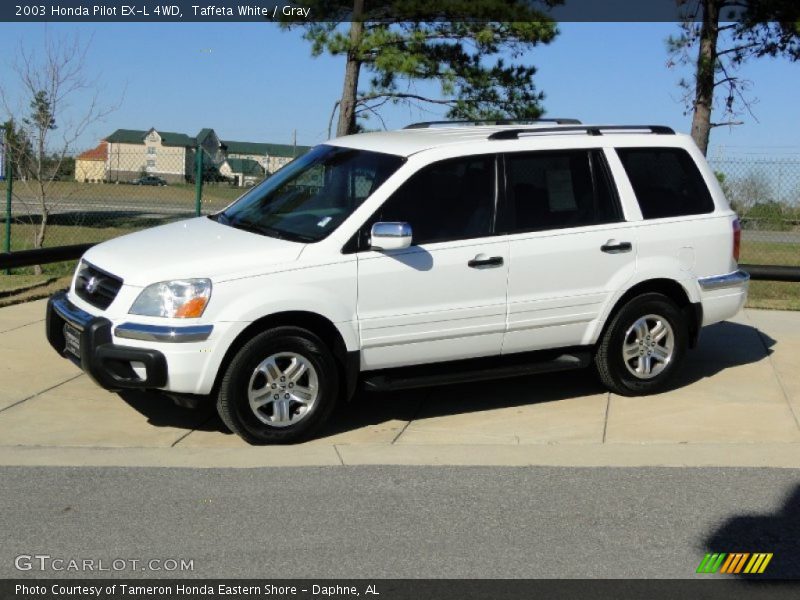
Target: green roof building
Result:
[171, 155]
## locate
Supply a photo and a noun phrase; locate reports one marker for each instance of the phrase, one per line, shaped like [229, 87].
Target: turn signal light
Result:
[191, 309]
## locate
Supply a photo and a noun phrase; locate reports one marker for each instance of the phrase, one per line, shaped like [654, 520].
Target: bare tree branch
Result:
[404, 95]
[333, 114]
[727, 123]
[49, 126]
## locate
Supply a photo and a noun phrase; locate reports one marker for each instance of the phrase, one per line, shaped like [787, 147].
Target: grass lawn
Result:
[15, 283]
[770, 253]
[772, 294]
[214, 196]
[776, 295]
[57, 235]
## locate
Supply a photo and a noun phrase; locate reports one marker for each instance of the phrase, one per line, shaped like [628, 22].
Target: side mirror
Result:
[390, 236]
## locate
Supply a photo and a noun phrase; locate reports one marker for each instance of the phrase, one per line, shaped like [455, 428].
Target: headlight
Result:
[181, 298]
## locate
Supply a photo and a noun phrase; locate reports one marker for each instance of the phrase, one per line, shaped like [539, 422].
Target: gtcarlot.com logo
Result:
[45, 562]
[735, 563]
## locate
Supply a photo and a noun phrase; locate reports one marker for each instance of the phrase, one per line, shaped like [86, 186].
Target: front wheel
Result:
[279, 388]
[643, 346]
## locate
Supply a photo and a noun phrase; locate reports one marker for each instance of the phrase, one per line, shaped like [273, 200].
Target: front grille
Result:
[97, 287]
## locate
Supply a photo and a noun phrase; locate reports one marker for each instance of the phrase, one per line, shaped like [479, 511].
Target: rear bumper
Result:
[737, 279]
[106, 363]
[723, 296]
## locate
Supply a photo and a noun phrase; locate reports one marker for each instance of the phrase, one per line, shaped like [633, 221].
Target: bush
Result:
[768, 216]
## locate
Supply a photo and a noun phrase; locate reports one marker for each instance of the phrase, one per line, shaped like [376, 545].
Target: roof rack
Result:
[428, 124]
[513, 134]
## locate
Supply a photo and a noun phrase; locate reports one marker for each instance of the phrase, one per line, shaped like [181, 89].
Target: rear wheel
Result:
[643, 346]
[279, 388]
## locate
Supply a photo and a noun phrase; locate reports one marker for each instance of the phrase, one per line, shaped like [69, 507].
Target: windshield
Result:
[311, 196]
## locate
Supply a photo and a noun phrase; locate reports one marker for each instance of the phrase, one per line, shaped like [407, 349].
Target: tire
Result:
[260, 397]
[635, 329]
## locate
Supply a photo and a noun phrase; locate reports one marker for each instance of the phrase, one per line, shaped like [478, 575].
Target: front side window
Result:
[310, 197]
[449, 200]
[666, 182]
[556, 190]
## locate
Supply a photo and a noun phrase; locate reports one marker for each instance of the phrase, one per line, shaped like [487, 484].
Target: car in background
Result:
[149, 180]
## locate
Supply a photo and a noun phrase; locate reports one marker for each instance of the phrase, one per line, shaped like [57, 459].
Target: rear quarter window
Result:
[666, 181]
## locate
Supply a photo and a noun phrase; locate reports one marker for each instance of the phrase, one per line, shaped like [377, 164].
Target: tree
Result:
[726, 34]
[475, 82]
[45, 125]
[749, 191]
[20, 150]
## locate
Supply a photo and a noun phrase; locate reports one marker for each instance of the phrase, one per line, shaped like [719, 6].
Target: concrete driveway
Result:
[737, 403]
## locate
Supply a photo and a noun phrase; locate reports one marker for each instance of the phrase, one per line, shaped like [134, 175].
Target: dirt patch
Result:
[35, 292]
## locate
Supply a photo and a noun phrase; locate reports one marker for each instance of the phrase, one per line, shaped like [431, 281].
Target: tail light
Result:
[737, 239]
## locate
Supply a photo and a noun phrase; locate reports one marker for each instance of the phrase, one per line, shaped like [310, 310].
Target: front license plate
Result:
[72, 339]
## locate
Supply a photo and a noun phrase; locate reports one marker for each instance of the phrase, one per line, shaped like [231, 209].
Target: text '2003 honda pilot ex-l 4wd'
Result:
[430, 255]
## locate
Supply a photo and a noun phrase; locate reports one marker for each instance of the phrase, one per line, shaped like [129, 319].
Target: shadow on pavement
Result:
[776, 533]
[722, 346]
[161, 411]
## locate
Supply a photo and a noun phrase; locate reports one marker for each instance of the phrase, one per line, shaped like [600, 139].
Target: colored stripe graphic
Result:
[711, 563]
[735, 562]
[739, 564]
[727, 565]
[758, 563]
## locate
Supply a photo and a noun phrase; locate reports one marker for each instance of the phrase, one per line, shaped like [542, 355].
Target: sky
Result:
[256, 82]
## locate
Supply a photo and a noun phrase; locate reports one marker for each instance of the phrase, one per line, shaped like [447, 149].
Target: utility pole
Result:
[294, 143]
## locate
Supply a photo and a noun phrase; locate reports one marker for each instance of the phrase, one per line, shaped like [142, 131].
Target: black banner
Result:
[341, 10]
[396, 589]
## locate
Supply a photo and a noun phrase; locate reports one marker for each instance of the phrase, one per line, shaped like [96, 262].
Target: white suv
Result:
[430, 255]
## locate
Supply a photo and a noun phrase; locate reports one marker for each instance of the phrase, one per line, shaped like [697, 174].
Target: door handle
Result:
[615, 247]
[485, 261]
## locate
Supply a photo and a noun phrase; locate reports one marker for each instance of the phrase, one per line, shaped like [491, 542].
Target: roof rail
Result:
[513, 134]
[428, 124]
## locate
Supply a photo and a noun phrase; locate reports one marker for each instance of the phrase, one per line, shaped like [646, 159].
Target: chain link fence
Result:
[765, 192]
[101, 194]
[90, 197]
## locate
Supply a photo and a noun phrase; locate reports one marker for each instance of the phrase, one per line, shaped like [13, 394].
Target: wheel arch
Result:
[348, 361]
[672, 289]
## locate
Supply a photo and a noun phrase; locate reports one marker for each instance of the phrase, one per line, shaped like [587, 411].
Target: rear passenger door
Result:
[444, 298]
[569, 244]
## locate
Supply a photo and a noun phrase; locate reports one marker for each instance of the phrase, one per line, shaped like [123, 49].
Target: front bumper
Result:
[108, 364]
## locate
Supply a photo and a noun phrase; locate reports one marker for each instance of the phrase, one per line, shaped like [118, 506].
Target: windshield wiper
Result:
[248, 226]
[269, 231]
[288, 235]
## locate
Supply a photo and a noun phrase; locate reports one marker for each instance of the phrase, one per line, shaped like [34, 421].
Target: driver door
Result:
[444, 297]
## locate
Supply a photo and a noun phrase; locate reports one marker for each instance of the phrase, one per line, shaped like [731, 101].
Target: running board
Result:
[468, 370]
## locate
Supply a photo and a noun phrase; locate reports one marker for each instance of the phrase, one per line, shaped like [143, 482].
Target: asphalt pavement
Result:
[402, 522]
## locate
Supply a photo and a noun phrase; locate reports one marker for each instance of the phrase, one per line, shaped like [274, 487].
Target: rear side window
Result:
[556, 190]
[666, 182]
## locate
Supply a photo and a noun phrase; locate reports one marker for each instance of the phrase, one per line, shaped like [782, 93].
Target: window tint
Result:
[448, 200]
[666, 182]
[554, 190]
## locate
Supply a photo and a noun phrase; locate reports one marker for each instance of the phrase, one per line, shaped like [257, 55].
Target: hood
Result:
[196, 247]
